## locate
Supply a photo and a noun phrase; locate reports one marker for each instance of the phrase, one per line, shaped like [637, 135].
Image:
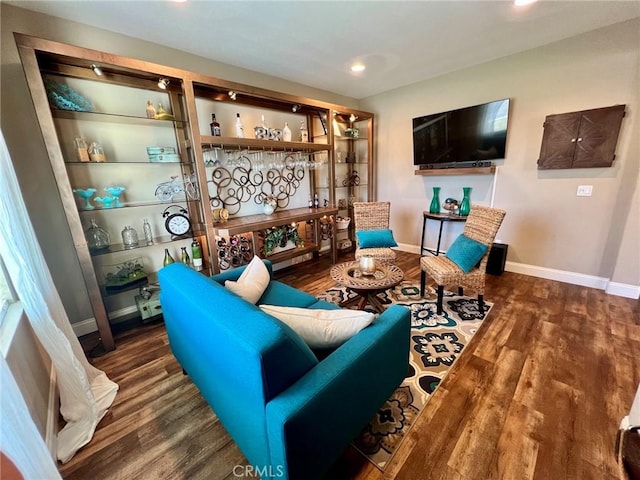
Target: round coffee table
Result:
[366, 287]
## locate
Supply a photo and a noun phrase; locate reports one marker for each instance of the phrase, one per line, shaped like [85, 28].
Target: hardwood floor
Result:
[538, 394]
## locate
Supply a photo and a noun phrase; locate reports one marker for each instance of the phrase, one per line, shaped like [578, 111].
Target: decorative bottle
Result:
[97, 238]
[215, 126]
[150, 110]
[196, 252]
[465, 205]
[286, 133]
[184, 256]
[167, 258]
[148, 235]
[435, 201]
[316, 201]
[304, 133]
[239, 127]
[129, 237]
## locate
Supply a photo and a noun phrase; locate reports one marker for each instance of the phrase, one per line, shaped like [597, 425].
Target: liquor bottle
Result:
[196, 252]
[168, 259]
[215, 126]
[310, 202]
[286, 133]
[148, 235]
[316, 201]
[239, 127]
[304, 133]
[184, 256]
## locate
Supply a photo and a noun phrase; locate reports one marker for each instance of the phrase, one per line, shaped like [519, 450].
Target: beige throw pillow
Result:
[321, 328]
[252, 282]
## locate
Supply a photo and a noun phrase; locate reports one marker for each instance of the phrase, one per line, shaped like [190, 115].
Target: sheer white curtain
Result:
[85, 392]
[17, 432]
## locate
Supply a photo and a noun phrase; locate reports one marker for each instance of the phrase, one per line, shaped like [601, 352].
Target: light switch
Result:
[584, 190]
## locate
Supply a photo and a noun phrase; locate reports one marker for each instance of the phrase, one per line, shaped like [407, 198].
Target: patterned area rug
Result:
[436, 342]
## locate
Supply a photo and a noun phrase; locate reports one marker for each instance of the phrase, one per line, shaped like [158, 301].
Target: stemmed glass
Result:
[85, 193]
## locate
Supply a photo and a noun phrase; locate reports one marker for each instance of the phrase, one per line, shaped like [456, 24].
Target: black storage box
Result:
[497, 258]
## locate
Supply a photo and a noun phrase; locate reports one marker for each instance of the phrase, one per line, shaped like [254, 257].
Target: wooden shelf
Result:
[257, 144]
[294, 252]
[456, 171]
[252, 223]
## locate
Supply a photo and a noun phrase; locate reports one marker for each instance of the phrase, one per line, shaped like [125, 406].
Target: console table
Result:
[440, 217]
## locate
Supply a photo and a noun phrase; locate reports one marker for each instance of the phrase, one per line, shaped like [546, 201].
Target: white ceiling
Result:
[315, 42]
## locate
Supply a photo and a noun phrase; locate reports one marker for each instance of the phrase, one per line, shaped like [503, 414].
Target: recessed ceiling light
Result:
[357, 67]
[521, 3]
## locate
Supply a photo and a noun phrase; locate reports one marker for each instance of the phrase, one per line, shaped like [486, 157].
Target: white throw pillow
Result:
[321, 328]
[252, 282]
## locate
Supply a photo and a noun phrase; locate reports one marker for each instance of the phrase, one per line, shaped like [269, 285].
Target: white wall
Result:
[546, 224]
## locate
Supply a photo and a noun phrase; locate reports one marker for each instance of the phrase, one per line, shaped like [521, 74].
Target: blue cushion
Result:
[382, 238]
[466, 252]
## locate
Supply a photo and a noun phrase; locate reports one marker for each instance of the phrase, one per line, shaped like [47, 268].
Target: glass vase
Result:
[465, 205]
[97, 238]
[435, 201]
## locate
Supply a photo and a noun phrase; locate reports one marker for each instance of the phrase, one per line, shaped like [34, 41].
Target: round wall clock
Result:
[177, 223]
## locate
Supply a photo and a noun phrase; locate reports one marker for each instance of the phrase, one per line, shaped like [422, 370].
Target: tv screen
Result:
[474, 135]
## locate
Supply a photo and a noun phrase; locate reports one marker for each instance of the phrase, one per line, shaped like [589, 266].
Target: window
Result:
[7, 295]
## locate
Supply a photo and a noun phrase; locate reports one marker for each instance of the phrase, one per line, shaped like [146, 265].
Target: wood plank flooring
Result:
[538, 394]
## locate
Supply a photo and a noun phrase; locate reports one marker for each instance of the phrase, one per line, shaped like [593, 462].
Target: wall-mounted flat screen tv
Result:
[472, 136]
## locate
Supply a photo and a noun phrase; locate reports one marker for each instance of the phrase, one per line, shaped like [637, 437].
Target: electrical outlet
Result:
[584, 190]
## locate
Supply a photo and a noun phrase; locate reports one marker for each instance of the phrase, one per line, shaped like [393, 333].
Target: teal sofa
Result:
[291, 414]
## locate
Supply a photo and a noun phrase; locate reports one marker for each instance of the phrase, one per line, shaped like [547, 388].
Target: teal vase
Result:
[465, 205]
[435, 201]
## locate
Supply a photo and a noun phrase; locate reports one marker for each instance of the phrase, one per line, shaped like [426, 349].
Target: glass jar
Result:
[97, 238]
[129, 237]
[96, 152]
[82, 152]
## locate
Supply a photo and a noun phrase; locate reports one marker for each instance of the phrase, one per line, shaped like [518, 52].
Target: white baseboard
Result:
[601, 283]
[623, 290]
[559, 275]
[405, 247]
[85, 327]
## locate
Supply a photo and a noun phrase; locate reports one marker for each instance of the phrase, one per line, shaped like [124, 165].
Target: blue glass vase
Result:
[465, 205]
[435, 201]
